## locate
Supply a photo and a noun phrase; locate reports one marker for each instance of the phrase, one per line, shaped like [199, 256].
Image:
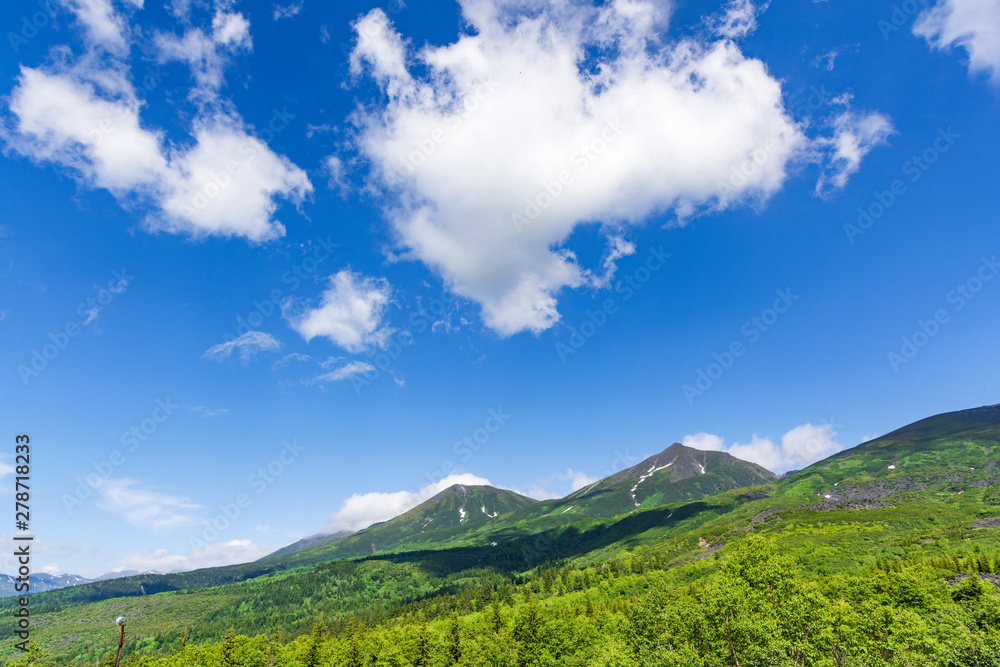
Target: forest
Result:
[749, 606]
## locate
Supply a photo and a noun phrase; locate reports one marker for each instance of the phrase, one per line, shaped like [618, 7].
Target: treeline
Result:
[977, 562]
[749, 608]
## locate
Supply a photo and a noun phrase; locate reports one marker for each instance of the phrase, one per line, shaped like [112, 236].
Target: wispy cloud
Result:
[5, 468]
[826, 60]
[346, 371]
[214, 555]
[287, 11]
[737, 19]
[855, 135]
[210, 412]
[145, 508]
[289, 358]
[246, 347]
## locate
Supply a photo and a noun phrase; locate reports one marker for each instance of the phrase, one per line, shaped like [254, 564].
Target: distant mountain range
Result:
[41, 582]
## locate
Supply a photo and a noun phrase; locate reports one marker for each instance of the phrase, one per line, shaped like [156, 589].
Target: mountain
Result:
[40, 582]
[311, 542]
[677, 473]
[951, 452]
[460, 505]
[457, 507]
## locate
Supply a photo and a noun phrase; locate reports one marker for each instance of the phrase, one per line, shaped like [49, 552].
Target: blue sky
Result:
[304, 265]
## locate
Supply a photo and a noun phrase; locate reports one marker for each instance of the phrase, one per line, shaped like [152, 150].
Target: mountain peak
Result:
[462, 491]
[677, 473]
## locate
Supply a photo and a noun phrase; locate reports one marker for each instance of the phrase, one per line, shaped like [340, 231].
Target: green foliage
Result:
[752, 607]
[33, 657]
[890, 570]
[971, 589]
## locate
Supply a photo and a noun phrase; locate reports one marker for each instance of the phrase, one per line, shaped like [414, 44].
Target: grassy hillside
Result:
[882, 532]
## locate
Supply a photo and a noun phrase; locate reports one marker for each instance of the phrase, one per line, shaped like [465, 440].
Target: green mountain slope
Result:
[932, 486]
[953, 452]
[455, 510]
[676, 473]
[310, 542]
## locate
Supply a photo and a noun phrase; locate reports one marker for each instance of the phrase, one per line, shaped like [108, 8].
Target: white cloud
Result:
[972, 24]
[287, 11]
[289, 358]
[800, 447]
[577, 479]
[206, 53]
[855, 135]
[738, 19]
[210, 412]
[363, 509]
[102, 26]
[761, 451]
[827, 60]
[334, 168]
[350, 315]
[84, 113]
[808, 443]
[330, 362]
[538, 492]
[485, 131]
[618, 247]
[144, 508]
[246, 346]
[346, 371]
[223, 553]
[704, 441]
[50, 553]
